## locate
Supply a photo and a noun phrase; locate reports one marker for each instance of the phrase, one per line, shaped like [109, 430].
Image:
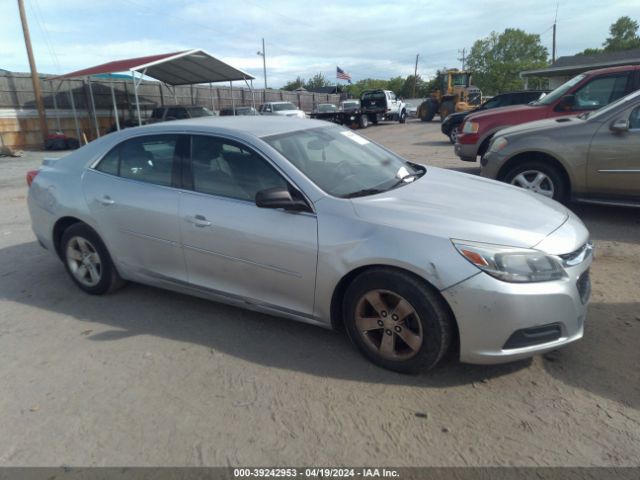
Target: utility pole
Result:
[415, 77]
[34, 72]
[263, 54]
[464, 57]
[553, 48]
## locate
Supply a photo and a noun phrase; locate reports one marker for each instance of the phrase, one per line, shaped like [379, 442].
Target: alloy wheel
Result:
[536, 181]
[84, 261]
[389, 325]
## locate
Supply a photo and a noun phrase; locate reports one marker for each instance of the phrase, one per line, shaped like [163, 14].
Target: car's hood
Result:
[461, 206]
[542, 125]
[460, 115]
[515, 111]
[287, 112]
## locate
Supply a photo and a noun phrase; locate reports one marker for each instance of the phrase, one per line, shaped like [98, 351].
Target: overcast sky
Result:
[365, 38]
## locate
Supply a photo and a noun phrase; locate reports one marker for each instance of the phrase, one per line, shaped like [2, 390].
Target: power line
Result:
[35, 9]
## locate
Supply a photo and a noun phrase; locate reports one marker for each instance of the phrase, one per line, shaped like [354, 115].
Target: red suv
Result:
[587, 91]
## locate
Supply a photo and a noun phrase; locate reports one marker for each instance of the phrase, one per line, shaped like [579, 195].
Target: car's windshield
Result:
[245, 111]
[612, 106]
[559, 92]
[494, 102]
[342, 163]
[326, 107]
[350, 104]
[279, 107]
[200, 112]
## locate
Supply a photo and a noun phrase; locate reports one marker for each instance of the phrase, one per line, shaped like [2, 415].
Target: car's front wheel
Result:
[538, 177]
[453, 135]
[87, 260]
[396, 320]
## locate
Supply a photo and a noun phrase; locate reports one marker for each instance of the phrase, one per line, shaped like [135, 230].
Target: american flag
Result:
[342, 75]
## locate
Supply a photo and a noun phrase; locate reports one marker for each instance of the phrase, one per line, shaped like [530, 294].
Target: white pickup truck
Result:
[382, 105]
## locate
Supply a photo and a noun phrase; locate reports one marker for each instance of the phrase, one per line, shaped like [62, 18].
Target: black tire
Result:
[428, 110]
[446, 109]
[109, 280]
[364, 121]
[403, 116]
[453, 134]
[374, 119]
[430, 315]
[553, 185]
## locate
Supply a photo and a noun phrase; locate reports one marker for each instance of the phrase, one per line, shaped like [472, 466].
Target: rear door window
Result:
[148, 159]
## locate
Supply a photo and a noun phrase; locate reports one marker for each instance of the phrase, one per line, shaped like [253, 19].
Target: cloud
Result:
[375, 39]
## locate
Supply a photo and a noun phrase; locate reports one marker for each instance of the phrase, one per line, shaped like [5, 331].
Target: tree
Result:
[496, 61]
[395, 84]
[294, 85]
[624, 35]
[422, 87]
[356, 89]
[317, 81]
[590, 51]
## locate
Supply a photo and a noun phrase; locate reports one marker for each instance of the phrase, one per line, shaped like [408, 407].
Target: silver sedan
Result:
[310, 221]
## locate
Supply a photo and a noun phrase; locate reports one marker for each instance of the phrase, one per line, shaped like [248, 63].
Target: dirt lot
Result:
[149, 377]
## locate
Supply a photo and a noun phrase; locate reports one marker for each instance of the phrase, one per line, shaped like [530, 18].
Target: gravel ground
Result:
[149, 377]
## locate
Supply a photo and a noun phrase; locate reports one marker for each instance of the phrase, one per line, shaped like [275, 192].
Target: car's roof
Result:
[258, 126]
[623, 68]
[520, 91]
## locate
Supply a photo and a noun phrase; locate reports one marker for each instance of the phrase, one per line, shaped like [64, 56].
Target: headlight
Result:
[511, 264]
[498, 144]
[470, 127]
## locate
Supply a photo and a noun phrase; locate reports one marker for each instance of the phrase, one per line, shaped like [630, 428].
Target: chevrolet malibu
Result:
[310, 221]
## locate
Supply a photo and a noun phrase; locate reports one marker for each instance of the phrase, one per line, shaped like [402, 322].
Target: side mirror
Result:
[620, 125]
[280, 197]
[566, 103]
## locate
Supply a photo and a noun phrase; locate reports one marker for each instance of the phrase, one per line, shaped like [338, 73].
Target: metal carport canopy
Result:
[179, 68]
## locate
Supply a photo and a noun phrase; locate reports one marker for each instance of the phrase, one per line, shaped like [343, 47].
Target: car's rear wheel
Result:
[403, 116]
[539, 178]
[397, 321]
[87, 260]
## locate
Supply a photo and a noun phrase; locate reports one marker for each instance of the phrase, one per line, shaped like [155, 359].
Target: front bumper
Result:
[491, 163]
[466, 151]
[489, 312]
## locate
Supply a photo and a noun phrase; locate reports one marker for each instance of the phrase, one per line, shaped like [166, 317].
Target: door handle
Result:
[198, 220]
[106, 200]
